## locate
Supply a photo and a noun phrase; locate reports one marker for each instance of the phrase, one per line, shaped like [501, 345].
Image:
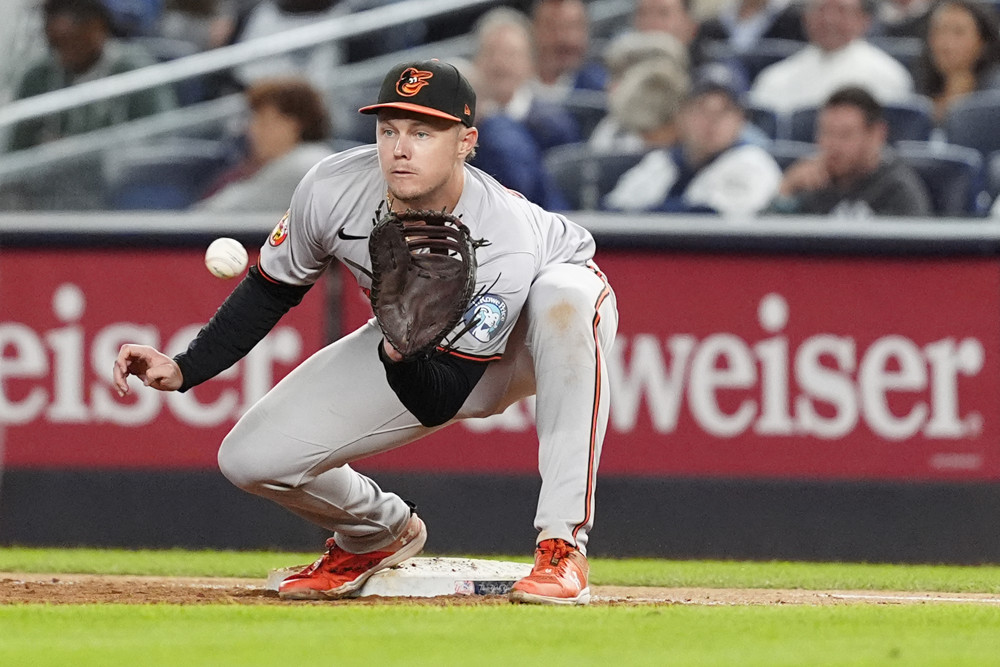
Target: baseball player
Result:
[545, 314]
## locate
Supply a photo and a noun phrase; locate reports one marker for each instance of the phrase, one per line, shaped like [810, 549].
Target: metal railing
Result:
[190, 119]
[226, 57]
[210, 115]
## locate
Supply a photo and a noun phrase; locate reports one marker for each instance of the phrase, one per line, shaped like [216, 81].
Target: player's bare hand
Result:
[154, 368]
[390, 351]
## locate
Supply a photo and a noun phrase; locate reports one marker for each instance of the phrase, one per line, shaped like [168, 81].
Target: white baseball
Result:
[226, 258]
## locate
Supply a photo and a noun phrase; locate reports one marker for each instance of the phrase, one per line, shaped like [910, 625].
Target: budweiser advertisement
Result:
[65, 313]
[725, 365]
[779, 367]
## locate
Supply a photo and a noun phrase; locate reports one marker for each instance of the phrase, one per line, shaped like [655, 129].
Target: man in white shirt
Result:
[837, 56]
[709, 168]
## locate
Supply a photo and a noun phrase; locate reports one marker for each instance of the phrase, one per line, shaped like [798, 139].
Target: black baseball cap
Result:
[429, 87]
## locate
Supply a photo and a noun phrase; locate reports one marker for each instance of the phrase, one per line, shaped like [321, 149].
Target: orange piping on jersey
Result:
[260, 270]
[594, 416]
[471, 357]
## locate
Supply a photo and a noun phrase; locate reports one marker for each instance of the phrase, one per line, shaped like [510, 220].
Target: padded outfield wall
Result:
[782, 388]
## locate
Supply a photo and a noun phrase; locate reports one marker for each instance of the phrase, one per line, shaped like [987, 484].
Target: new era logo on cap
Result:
[429, 87]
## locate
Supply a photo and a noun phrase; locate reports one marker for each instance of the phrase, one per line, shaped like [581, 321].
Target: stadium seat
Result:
[769, 121]
[166, 176]
[764, 53]
[347, 122]
[785, 152]
[163, 49]
[587, 107]
[954, 175]
[801, 125]
[906, 50]
[911, 120]
[133, 18]
[584, 176]
[337, 145]
[993, 175]
[972, 122]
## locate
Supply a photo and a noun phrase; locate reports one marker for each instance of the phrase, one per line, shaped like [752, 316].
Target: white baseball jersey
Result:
[546, 316]
[334, 208]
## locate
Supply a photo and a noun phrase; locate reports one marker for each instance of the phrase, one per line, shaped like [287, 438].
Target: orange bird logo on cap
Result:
[411, 81]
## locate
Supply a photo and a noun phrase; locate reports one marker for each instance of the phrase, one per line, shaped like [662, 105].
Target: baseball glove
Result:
[423, 278]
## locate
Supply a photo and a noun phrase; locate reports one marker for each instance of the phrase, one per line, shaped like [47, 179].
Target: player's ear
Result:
[467, 139]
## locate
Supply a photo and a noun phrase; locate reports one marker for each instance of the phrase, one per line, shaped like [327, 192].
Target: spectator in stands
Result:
[624, 52]
[675, 18]
[703, 10]
[561, 32]
[902, 18]
[505, 64]
[78, 33]
[961, 54]
[741, 24]
[710, 169]
[648, 101]
[852, 175]
[670, 16]
[207, 24]
[507, 151]
[19, 25]
[286, 136]
[837, 56]
[270, 17]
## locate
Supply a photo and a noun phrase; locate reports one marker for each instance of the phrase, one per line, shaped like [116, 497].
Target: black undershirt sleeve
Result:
[242, 321]
[432, 389]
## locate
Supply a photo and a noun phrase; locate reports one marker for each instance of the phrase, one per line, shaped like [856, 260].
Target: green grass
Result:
[505, 635]
[604, 571]
[619, 636]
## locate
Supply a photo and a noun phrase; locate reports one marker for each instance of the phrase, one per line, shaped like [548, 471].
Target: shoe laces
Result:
[552, 552]
[337, 561]
[330, 545]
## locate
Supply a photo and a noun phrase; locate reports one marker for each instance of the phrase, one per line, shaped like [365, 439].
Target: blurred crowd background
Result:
[733, 108]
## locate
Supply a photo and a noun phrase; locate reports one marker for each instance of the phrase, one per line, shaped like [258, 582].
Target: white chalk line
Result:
[909, 598]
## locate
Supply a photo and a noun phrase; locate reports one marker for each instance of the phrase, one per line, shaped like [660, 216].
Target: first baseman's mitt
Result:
[423, 277]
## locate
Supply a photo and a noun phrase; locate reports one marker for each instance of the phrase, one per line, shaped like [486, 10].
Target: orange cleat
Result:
[338, 573]
[558, 577]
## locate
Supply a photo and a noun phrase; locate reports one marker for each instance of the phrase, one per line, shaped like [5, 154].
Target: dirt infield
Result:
[18, 588]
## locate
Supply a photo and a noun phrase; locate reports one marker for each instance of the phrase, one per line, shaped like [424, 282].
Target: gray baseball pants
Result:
[294, 446]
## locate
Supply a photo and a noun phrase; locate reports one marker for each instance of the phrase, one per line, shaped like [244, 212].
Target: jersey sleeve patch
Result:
[486, 315]
[280, 231]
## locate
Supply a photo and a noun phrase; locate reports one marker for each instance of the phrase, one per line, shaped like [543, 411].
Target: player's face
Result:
[422, 158]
